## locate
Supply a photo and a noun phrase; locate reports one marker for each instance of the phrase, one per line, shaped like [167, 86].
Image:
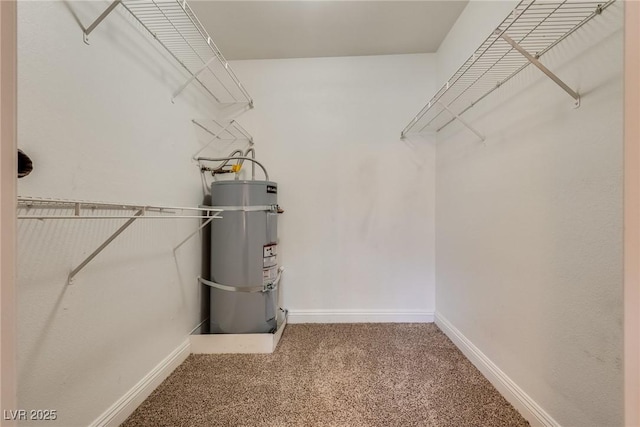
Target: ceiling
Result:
[305, 29]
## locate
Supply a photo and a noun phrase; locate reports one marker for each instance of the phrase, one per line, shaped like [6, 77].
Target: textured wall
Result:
[358, 233]
[529, 224]
[473, 26]
[99, 125]
[529, 228]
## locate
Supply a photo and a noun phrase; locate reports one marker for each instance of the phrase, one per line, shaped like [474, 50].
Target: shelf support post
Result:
[106, 243]
[532, 59]
[463, 121]
[100, 18]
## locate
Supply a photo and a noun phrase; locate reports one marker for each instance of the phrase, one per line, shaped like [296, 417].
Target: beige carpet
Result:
[332, 375]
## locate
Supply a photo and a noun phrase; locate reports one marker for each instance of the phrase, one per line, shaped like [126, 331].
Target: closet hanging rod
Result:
[140, 212]
[175, 26]
[42, 217]
[78, 205]
[530, 31]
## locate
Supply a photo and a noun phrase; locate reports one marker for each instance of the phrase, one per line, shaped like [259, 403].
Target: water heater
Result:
[244, 271]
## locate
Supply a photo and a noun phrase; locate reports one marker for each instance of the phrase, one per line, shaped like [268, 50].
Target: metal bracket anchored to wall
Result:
[175, 26]
[461, 120]
[141, 212]
[194, 76]
[110, 239]
[530, 31]
[99, 19]
[231, 131]
[532, 59]
[203, 225]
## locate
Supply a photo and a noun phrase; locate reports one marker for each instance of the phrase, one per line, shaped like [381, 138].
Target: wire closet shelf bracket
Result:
[531, 30]
[174, 25]
[222, 132]
[48, 209]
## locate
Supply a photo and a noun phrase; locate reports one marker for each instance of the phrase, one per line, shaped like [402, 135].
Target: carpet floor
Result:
[332, 375]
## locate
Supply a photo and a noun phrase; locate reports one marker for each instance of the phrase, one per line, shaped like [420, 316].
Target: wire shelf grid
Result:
[174, 25]
[535, 25]
[231, 131]
[45, 208]
[49, 209]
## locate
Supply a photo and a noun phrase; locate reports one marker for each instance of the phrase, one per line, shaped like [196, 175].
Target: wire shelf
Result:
[175, 26]
[48, 209]
[535, 26]
[230, 131]
[44, 208]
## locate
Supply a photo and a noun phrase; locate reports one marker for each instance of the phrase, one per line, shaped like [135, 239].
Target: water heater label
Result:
[269, 262]
[270, 250]
[269, 274]
[272, 189]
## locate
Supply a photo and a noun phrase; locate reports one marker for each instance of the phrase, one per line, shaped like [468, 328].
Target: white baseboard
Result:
[360, 316]
[119, 411]
[527, 407]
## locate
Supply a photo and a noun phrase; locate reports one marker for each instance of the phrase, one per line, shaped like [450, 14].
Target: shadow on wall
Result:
[205, 290]
[145, 52]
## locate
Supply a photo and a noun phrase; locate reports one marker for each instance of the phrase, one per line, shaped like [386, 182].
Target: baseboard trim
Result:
[359, 316]
[119, 411]
[527, 407]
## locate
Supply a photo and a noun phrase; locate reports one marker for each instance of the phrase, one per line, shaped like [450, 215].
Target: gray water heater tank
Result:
[244, 262]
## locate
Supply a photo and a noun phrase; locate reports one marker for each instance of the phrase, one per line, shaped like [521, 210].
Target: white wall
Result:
[99, 125]
[8, 169]
[529, 227]
[357, 237]
[476, 22]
